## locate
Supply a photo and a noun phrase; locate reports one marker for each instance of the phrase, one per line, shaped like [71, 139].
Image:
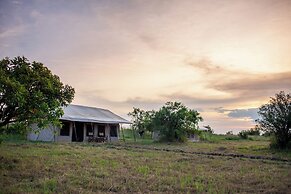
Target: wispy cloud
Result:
[11, 32]
[257, 82]
[206, 66]
[241, 84]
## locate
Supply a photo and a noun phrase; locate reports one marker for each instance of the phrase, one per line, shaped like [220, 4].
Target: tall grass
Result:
[15, 138]
[129, 137]
[74, 168]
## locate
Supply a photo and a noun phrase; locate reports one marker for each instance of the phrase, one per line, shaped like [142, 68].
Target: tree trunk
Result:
[283, 139]
[134, 137]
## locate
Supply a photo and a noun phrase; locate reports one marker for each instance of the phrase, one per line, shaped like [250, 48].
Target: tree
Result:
[243, 134]
[141, 120]
[175, 122]
[209, 129]
[30, 93]
[229, 133]
[275, 117]
[254, 130]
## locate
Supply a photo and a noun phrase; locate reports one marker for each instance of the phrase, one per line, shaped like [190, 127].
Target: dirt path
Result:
[119, 146]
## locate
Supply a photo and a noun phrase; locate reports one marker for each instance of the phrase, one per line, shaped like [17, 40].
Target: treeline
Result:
[172, 122]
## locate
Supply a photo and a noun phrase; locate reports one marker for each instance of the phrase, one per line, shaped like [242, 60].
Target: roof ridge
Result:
[88, 107]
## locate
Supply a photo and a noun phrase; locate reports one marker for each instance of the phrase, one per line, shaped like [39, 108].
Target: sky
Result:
[223, 58]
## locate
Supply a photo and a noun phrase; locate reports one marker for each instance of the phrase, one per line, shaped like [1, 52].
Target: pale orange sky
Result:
[223, 58]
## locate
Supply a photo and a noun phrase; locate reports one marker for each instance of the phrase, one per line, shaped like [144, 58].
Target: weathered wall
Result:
[52, 134]
[46, 134]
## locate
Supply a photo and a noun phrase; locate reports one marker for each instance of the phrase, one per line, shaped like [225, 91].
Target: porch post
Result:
[85, 132]
[121, 129]
[71, 131]
[95, 134]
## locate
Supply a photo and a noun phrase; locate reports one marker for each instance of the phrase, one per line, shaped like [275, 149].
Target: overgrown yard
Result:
[83, 168]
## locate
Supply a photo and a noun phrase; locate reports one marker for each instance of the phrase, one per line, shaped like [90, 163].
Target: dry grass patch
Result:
[78, 168]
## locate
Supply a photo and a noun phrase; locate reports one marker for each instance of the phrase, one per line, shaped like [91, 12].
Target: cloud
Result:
[17, 2]
[240, 85]
[253, 87]
[35, 14]
[198, 101]
[206, 66]
[251, 113]
[12, 31]
[136, 53]
[258, 82]
[94, 97]
[147, 104]
[149, 40]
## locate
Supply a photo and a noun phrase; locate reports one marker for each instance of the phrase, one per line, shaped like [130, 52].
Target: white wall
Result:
[46, 134]
[52, 134]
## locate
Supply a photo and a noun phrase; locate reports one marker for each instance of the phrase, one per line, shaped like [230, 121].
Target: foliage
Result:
[210, 137]
[267, 134]
[12, 137]
[209, 129]
[255, 130]
[229, 133]
[232, 137]
[275, 117]
[243, 134]
[141, 120]
[175, 122]
[129, 136]
[15, 128]
[30, 93]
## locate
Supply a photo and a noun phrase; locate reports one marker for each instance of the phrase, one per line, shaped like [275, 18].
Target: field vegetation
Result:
[228, 144]
[142, 167]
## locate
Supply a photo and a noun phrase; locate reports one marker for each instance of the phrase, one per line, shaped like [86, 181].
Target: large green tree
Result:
[174, 121]
[275, 118]
[30, 93]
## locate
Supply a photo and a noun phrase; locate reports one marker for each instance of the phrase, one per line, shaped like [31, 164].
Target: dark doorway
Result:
[65, 130]
[78, 132]
[113, 131]
[101, 130]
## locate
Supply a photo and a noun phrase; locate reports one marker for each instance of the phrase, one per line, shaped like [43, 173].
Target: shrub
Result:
[229, 133]
[254, 131]
[209, 129]
[232, 137]
[243, 134]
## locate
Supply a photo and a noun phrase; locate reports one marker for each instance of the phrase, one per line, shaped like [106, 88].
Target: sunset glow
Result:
[222, 58]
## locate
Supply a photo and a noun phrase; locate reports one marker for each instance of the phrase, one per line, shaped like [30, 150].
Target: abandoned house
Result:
[82, 124]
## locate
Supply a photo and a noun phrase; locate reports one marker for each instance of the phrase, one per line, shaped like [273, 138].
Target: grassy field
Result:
[27, 167]
[254, 145]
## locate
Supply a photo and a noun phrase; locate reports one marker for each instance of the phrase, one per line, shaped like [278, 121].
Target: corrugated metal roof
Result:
[91, 114]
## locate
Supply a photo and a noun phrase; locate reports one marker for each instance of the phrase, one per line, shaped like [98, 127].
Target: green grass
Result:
[88, 168]
[129, 137]
[231, 144]
[16, 138]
